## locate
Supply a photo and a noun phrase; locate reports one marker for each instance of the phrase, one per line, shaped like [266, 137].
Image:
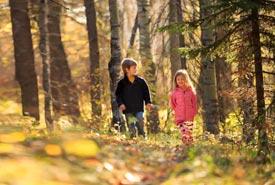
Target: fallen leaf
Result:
[53, 150]
[13, 137]
[81, 148]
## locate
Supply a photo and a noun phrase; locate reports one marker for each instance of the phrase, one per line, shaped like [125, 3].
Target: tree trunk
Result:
[147, 60]
[114, 65]
[181, 37]
[210, 97]
[24, 58]
[261, 122]
[223, 77]
[174, 40]
[245, 83]
[38, 9]
[245, 102]
[94, 58]
[133, 36]
[63, 90]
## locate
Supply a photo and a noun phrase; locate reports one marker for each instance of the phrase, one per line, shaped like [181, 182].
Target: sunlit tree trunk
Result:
[45, 72]
[63, 90]
[147, 60]
[174, 40]
[261, 122]
[181, 37]
[210, 97]
[24, 58]
[38, 10]
[114, 65]
[94, 58]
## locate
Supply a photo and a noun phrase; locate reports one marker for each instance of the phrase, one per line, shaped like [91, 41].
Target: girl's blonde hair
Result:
[184, 73]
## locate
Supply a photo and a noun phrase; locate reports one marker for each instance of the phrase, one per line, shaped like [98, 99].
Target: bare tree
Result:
[24, 58]
[210, 97]
[63, 90]
[38, 10]
[94, 58]
[114, 65]
[181, 37]
[174, 39]
[146, 58]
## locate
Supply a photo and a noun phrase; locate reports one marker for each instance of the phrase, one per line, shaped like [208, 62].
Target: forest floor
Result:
[31, 156]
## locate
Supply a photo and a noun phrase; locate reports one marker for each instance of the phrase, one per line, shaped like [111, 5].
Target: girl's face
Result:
[131, 71]
[181, 82]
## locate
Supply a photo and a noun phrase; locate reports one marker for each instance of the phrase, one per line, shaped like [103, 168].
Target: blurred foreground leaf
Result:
[53, 150]
[6, 148]
[81, 148]
[13, 137]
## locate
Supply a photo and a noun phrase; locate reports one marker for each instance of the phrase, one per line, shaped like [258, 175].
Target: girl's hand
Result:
[149, 106]
[122, 107]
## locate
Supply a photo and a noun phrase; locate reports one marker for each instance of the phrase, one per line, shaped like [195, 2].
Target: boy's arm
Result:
[118, 94]
[146, 93]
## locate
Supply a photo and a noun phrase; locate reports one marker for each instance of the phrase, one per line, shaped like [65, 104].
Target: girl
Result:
[184, 103]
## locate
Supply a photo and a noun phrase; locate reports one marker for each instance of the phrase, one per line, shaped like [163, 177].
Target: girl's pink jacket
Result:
[184, 104]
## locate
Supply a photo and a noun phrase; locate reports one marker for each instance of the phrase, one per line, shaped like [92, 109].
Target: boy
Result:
[131, 93]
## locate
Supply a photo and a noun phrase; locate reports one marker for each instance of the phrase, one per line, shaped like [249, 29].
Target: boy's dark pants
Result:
[135, 120]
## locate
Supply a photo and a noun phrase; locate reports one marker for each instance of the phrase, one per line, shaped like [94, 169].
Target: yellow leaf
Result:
[6, 148]
[53, 150]
[81, 148]
[13, 137]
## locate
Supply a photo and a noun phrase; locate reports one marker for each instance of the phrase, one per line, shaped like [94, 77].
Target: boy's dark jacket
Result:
[133, 94]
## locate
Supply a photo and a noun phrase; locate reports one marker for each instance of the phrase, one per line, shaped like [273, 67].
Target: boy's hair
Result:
[184, 73]
[127, 63]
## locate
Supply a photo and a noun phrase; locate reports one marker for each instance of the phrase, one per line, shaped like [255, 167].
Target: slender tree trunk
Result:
[210, 97]
[94, 58]
[114, 65]
[133, 36]
[63, 90]
[174, 40]
[147, 59]
[223, 77]
[181, 37]
[24, 58]
[261, 122]
[39, 10]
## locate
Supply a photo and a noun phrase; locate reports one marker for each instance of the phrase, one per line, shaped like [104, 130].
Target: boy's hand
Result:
[122, 107]
[149, 106]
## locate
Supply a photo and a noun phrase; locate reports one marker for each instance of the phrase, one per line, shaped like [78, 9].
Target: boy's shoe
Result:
[142, 136]
[132, 135]
[139, 129]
